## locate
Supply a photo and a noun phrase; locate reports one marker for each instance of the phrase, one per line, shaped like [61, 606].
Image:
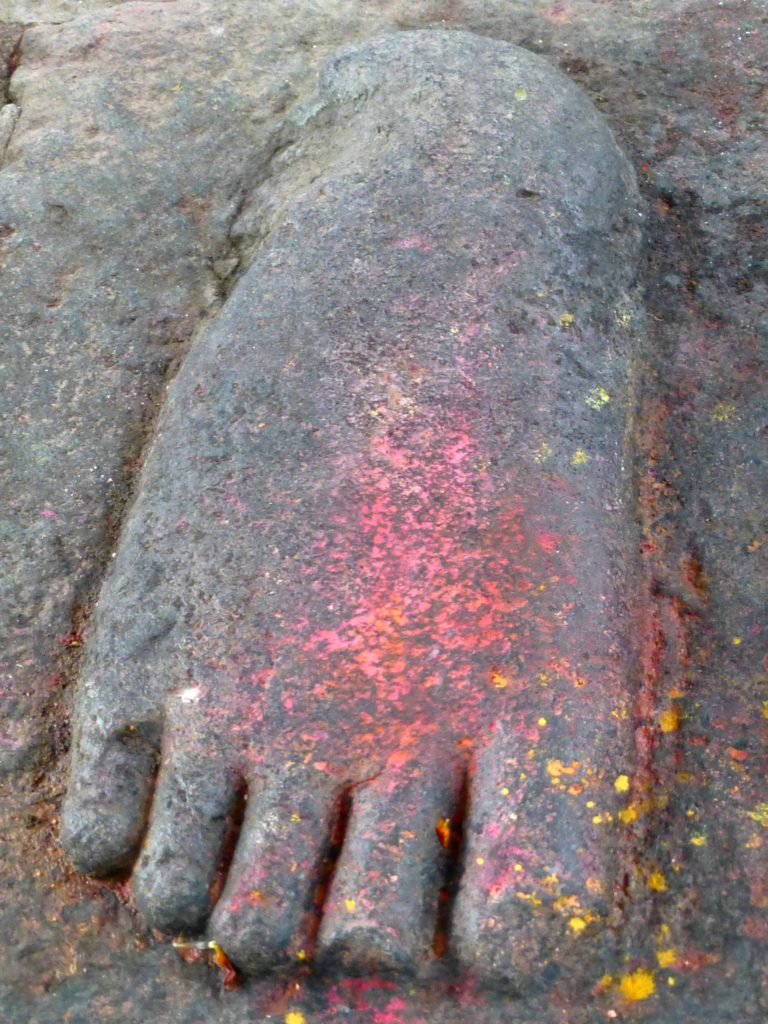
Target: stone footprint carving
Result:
[378, 571]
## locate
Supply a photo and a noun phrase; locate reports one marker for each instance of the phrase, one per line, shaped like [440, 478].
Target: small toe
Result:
[111, 779]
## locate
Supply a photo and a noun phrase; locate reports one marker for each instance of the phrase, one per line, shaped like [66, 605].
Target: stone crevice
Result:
[10, 111]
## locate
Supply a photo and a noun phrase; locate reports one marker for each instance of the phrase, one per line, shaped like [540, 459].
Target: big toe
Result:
[534, 908]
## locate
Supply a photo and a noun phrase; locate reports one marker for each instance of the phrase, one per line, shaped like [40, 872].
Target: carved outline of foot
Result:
[381, 544]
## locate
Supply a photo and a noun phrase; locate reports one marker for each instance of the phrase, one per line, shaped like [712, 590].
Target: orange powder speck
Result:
[669, 720]
[556, 768]
[666, 957]
[443, 829]
[638, 985]
[621, 785]
[657, 882]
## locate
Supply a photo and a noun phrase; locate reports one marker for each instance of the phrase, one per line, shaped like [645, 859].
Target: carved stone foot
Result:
[377, 576]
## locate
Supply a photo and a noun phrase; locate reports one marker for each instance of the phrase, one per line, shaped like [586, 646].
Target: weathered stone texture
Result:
[144, 130]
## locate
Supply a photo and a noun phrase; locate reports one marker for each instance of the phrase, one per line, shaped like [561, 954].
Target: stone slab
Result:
[682, 85]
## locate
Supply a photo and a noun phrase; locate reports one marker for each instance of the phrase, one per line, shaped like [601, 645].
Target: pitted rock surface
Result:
[680, 83]
[111, 269]
[390, 488]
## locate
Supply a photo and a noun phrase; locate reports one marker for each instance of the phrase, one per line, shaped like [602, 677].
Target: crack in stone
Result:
[10, 112]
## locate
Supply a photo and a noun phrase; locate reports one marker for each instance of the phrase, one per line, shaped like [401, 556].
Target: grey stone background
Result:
[133, 135]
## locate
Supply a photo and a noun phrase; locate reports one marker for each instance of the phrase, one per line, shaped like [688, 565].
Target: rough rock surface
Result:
[110, 95]
[365, 540]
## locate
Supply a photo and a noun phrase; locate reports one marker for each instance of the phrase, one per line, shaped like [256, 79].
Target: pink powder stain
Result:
[392, 1013]
[441, 566]
[470, 330]
[362, 985]
[355, 990]
[412, 242]
[480, 280]
[261, 678]
[548, 540]
[9, 742]
[234, 502]
[436, 590]
[559, 12]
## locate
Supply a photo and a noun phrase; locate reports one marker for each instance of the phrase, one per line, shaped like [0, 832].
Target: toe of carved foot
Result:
[533, 948]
